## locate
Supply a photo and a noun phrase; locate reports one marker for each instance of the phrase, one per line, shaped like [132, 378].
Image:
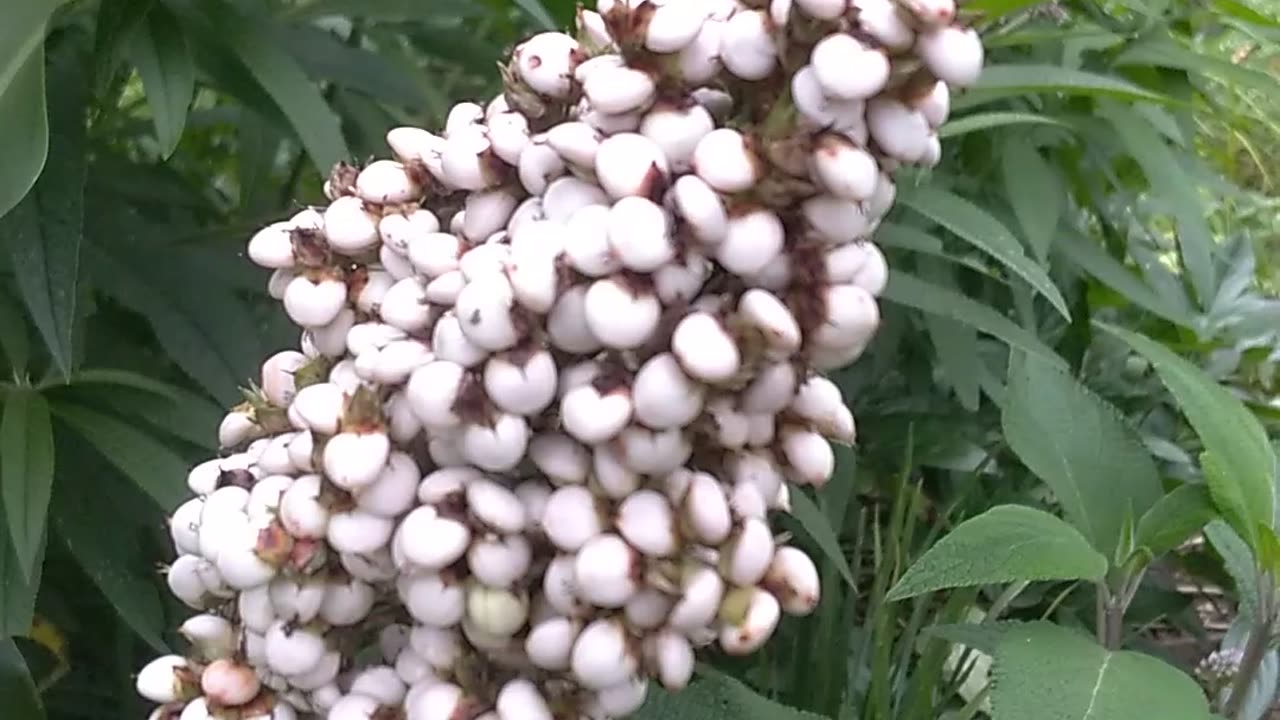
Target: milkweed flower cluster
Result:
[559, 365]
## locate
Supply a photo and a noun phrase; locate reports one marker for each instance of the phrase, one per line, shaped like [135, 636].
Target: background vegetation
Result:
[1116, 170]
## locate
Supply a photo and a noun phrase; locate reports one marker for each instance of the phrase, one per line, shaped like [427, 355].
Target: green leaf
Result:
[26, 471]
[806, 512]
[1007, 80]
[536, 10]
[1178, 194]
[1239, 464]
[152, 466]
[1082, 448]
[1089, 256]
[1165, 52]
[24, 133]
[43, 233]
[168, 75]
[114, 567]
[13, 335]
[1035, 191]
[974, 225]
[386, 10]
[279, 74]
[126, 378]
[1238, 561]
[911, 291]
[1240, 11]
[984, 637]
[17, 689]
[1174, 518]
[956, 351]
[1008, 543]
[1048, 672]
[716, 696]
[976, 122]
[17, 592]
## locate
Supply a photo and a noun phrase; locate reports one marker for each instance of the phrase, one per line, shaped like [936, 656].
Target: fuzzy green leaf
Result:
[1176, 517]
[26, 472]
[977, 227]
[1081, 447]
[716, 696]
[1089, 256]
[1035, 191]
[1048, 672]
[1008, 543]
[1238, 461]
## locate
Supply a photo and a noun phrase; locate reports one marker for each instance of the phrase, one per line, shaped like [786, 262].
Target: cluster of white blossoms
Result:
[559, 364]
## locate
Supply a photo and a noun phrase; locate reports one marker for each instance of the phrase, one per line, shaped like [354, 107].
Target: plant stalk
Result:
[1254, 650]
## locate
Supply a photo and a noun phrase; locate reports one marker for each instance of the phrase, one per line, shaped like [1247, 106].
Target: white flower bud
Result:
[586, 243]
[676, 130]
[509, 134]
[433, 390]
[747, 48]
[771, 390]
[623, 699]
[450, 344]
[899, 131]
[358, 531]
[559, 590]
[550, 643]
[546, 61]
[431, 541]
[592, 416]
[291, 650]
[497, 447]
[725, 161]
[678, 282]
[701, 590]
[467, 160]
[664, 396]
[845, 170]
[331, 339]
[576, 142]
[211, 636]
[602, 655]
[302, 513]
[859, 263]
[821, 111]
[185, 583]
[412, 144]
[610, 475]
[383, 182]
[519, 699]
[313, 304]
[809, 455]
[393, 491]
[348, 226]
[630, 164]
[487, 212]
[203, 478]
[645, 519]
[499, 561]
[847, 69]
[433, 601]
[237, 560]
[670, 657]
[571, 517]
[496, 612]
[534, 279]
[836, 220]
[374, 567]
[819, 401]
[567, 326]
[706, 510]
[495, 505]
[823, 9]
[702, 208]
[447, 484]
[484, 309]
[275, 459]
[654, 452]
[619, 89]
[673, 26]
[793, 579]
[758, 612]
[541, 163]
[381, 684]
[197, 709]
[931, 12]
[606, 571]
[748, 554]
[353, 460]
[882, 20]
[567, 195]
[562, 460]
[167, 679]
[932, 153]
[440, 647]
[413, 670]
[621, 316]
[255, 609]
[705, 349]
[296, 600]
[699, 61]
[272, 246]
[401, 230]
[184, 526]
[346, 602]
[851, 318]
[435, 254]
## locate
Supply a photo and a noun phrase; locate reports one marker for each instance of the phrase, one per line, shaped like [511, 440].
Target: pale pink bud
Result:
[746, 47]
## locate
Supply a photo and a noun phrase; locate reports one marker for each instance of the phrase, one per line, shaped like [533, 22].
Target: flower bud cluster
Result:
[560, 365]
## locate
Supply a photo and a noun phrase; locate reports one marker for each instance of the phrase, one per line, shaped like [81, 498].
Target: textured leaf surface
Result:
[17, 592]
[26, 472]
[1048, 672]
[168, 75]
[815, 523]
[1081, 447]
[715, 696]
[151, 465]
[1239, 463]
[1035, 191]
[1176, 517]
[1005, 544]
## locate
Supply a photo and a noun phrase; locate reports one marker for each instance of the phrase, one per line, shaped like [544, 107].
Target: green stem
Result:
[1002, 602]
[1254, 650]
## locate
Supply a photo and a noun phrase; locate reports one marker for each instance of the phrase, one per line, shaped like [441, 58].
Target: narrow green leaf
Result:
[992, 9]
[974, 225]
[716, 696]
[1004, 80]
[26, 471]
[976, 122]
[1035, 191]
[1164, 51]
[17, 689]
[1242, 467]
[1089, 256]
[911, 291]
[17, 592]
[42, 234]
[1240, 11]
[984, 637]
[151, 465]
[126, 378]
[282, 78]
[1048, 672]
[1238, 561]
[1176, 517]
[386, 10]
[955, 347]
[1082, 448]
[13, 335]
[806, 512]
[168, 75]
[1177, 194]
[536, 10]
[906, 237]
[324, 56]
[113, 566]
[1008, 543]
